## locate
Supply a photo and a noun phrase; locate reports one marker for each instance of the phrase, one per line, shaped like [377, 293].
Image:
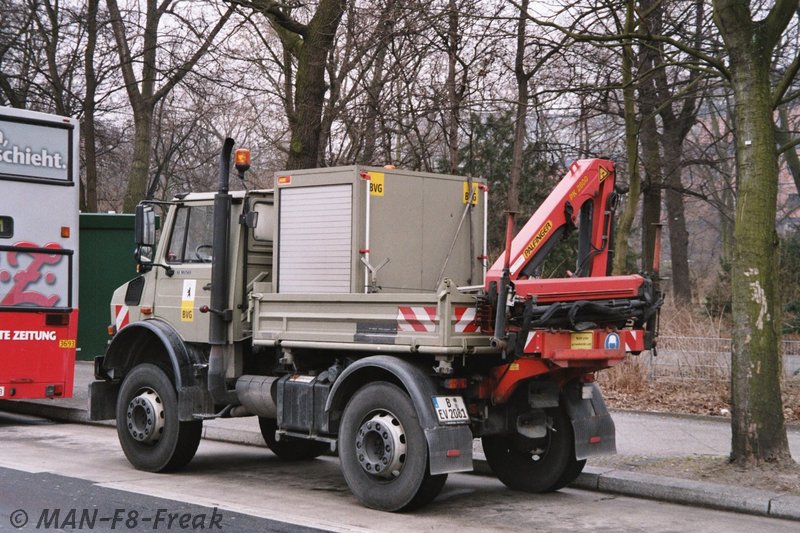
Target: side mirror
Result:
[145, 226]
[250, 220]
[265, 222]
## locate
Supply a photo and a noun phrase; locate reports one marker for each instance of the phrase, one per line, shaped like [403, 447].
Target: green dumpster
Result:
[107, 261]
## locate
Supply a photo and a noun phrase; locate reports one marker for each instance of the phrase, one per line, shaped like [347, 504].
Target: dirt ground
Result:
[699, 398]
[688, 396]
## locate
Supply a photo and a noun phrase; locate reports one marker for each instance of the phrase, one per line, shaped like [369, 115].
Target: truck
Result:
[38, 254]
[353, 310]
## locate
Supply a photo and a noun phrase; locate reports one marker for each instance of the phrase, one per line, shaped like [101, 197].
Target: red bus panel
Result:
[37, 354]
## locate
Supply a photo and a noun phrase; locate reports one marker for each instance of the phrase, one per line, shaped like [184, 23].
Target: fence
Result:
[705, 358]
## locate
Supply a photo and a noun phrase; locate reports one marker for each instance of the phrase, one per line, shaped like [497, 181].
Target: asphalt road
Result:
[43, 501]
[46, 465]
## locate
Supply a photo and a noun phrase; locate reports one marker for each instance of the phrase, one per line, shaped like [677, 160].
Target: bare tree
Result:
[308, 46]
[89, 196]
[19, 52]
[759, 431]
[631, 144]
[144, 90]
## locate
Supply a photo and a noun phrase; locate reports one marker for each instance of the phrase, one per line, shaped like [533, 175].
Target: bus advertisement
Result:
[38, 254]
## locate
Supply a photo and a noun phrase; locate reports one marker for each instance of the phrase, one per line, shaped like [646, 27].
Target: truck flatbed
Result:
[438, 323]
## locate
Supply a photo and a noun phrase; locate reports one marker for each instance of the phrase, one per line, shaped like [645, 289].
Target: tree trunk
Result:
[759, 433]
[790, 155]
[651, 203]
[631, 151]
[375, 88]
[649, 138]
[521, 115]
[678, 235]
[142, 149]
[89, 194]
[651, 188]
[453, 97]
[758, 427]
[310, 86]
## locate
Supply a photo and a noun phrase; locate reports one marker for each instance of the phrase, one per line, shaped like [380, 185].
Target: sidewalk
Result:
[640, 436]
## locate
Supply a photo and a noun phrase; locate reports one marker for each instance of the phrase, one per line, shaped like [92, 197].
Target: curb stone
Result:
[785, 506]
[689, 492]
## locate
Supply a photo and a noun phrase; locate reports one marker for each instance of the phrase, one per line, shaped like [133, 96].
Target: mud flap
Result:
[592, 424]
[450, 449]
[103, 400]
[449, 446]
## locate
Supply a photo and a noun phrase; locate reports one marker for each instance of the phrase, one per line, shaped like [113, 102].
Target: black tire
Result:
[535, 465]
[290, 448]
[151, 435]
[571, 473]
[409, 484]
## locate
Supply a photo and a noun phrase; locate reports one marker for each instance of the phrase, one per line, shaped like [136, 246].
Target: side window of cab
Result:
[192, 235]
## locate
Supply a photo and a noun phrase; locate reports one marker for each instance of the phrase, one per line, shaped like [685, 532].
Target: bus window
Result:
[6, 227]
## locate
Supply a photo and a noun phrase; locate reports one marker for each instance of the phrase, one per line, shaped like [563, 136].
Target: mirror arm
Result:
[168, 269]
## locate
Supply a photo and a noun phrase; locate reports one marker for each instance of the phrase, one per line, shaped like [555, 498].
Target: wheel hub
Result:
[381, 446]
[145, 417]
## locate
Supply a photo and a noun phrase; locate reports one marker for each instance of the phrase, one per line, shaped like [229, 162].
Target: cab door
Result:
[189, 253]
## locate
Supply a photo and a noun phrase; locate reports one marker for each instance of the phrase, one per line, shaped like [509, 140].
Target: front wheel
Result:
[383, 450]
[535, 465]
[151, 435]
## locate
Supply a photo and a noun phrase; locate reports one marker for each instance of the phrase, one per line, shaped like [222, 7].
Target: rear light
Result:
[455, 383]
[588, 378]
[453, 453]
[65, 232]
[595, 440]
[112, 330]
[52, 391]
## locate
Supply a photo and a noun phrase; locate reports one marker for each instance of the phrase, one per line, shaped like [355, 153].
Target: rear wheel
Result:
[383, 450]
[535, 465]
[290, 448]
[151, 435]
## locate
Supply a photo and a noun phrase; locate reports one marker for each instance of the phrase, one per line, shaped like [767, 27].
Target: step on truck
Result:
[353, 310]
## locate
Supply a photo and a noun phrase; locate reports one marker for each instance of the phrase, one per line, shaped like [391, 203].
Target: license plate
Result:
[450, 409]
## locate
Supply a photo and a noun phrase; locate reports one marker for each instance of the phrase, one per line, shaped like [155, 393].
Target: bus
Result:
[39, 195]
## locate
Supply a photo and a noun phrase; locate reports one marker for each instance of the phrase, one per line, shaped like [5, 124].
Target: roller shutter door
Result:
[315, 248]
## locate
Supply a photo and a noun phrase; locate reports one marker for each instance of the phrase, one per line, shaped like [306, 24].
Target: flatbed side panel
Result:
[399, 322]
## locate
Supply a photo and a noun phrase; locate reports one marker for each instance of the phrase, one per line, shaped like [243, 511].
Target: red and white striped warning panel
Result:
[633, 339]
[417, 319]
[121, 316]
[465, 320]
